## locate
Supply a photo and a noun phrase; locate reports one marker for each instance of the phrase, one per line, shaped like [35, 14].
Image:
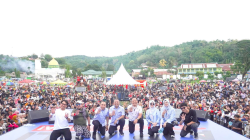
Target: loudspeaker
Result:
[202, 115]
[38, 116]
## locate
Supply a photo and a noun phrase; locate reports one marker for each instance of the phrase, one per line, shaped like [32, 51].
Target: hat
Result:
[79, 101]
[166, 100]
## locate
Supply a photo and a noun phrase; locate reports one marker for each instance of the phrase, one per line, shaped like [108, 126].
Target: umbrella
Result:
[203, 81]
[44, 83]
[235, 80]
[59, 82]
[26, 81]
[10, 84]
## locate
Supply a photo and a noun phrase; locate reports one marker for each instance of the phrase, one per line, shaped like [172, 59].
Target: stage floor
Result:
[207, 131]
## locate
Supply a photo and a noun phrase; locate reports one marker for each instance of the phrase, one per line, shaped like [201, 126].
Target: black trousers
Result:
[132, 126]
[113, 128]
[57, 133]
[153, 130]
[98, 126]
[168, 129]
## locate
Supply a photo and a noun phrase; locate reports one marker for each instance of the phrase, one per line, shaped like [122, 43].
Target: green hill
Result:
[197, 51]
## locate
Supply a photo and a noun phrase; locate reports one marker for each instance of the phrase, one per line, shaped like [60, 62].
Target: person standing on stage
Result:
[190, 121]
[101, 113]
[61, 126]
[116, 113]
[168, 116]
[135, 116]
[154, 118]
[80, 115]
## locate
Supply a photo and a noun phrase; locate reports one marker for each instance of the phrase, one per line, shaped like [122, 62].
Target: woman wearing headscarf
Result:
[153, 117]
[168, 116]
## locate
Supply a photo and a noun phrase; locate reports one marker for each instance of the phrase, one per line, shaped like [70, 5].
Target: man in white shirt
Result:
[135, 116]
[61, 126]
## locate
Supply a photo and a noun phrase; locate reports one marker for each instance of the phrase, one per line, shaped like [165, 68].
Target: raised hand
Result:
[130, 109]
[164, 125]
[66, 115]
[99, 111]
[77, 112]
[164, 112]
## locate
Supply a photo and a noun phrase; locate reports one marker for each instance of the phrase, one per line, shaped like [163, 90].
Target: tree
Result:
[48, 57]
[228, 74]
[17, 74]
[146, 72]
[110, 68]
[162, 63]
[61, 61]
[200, 74]
[92, 67]
[210, 76]
[34, 56]
[44, 64]
[29, 70]
[104, 75]
[67, 72]
[242, 64]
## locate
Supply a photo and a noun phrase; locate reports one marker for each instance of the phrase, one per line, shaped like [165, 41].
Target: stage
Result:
[207, 131]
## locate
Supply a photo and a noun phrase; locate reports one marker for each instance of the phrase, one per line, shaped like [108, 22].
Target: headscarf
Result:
[152, 109]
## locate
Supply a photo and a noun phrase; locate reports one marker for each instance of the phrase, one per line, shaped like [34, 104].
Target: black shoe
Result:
[141, 134]
[113, 134]
[121, 133]
[195, 135]
[191, 132]
[94, 136]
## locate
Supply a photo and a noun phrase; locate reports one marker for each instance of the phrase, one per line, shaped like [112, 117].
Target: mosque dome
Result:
[53, 64]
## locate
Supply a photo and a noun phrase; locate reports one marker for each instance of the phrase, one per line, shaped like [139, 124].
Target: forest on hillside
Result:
[197, 51]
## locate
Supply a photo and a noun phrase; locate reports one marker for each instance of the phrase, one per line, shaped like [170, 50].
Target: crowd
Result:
[228, 103]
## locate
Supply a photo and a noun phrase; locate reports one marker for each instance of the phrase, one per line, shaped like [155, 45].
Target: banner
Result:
[205, 76]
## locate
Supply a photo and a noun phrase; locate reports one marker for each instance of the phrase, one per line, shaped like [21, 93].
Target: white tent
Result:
[122, 78]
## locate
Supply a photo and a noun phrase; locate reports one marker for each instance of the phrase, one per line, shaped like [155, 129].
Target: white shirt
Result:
[135, 112]
[60, 121]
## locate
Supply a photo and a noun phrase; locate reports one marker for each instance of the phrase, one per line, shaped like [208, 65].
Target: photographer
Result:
[80, 115]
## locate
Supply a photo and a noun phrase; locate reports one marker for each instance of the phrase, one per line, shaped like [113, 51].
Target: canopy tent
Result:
[203, 81]
[59, 82]
[26, 81]
[122, 78]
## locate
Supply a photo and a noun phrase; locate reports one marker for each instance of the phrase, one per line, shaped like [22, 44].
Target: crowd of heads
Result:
[221, 99]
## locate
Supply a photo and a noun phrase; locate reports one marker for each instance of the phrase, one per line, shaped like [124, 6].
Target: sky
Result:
[113, 27]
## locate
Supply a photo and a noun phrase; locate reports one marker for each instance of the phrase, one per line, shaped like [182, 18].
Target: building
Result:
[93, 73]
[157, 72]
[51, 73]
[226, 67]
[191, 69]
